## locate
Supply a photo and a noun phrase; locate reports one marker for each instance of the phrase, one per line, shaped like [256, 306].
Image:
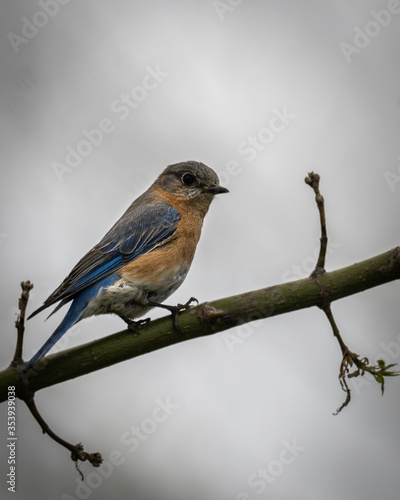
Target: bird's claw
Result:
[186, 305]
[133, 325]
[175, 310]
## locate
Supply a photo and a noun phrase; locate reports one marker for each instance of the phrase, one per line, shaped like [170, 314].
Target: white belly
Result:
[127, 297]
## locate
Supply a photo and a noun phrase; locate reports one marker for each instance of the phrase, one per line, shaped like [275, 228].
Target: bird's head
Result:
[190, 181]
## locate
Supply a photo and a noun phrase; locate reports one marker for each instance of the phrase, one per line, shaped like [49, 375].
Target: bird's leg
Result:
[174, 310]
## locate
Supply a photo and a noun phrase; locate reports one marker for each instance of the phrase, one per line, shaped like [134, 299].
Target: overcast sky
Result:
[262, 92]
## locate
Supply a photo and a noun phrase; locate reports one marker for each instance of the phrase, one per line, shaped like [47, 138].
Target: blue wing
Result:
[138, 231]
[142, 227]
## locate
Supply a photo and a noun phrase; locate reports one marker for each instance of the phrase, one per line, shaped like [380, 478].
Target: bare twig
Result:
[313, 181]
[20, 321]
[77, 450]
[328, 312]
[349, 358]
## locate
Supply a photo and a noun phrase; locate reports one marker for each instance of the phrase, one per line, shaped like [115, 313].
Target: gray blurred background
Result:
[247, 414]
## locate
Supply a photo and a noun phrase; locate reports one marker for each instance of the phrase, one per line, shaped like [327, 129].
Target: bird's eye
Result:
[188, 179]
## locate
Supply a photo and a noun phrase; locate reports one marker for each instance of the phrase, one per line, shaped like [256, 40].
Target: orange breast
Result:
[171, 261]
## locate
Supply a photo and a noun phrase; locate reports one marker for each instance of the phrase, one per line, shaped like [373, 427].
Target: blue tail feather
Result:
[70, 318]
[75, 311]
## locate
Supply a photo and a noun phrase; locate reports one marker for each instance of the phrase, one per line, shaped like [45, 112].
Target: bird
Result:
[143, 258]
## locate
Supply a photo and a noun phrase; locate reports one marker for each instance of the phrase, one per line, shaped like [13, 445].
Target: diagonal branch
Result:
[207, 319]
[320, 290]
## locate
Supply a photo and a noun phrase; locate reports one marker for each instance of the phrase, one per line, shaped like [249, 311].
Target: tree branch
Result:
[206, 319]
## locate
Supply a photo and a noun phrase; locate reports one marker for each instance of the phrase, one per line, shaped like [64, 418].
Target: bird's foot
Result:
[133, 325]
[186, 305]
[174, 310]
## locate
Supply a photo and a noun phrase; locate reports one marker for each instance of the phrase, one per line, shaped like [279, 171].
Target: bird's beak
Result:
[215, 189]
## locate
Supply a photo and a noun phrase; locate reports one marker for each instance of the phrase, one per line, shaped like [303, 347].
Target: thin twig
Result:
[77, 450]
[349, 358]
[344, 369]
[313, 181]
[20, 322]
[328, 312]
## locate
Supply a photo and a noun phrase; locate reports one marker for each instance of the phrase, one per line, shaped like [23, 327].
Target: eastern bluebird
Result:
[144, 257]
